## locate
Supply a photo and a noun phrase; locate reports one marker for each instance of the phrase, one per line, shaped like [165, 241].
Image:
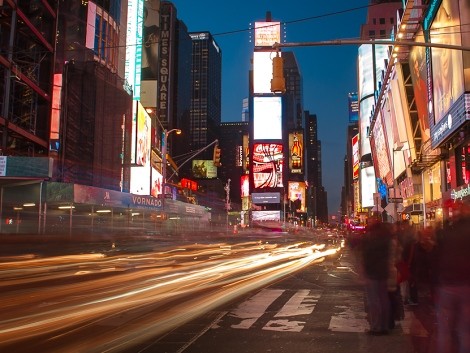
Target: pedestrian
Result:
[376, 266]
[453, 284]
[425, 259]
[407, 267]
[396, 303]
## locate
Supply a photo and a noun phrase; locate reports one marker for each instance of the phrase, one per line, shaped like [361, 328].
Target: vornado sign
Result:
[164, 73]
[146, 201]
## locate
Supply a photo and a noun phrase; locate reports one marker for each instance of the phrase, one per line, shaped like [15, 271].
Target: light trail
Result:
[52, 301]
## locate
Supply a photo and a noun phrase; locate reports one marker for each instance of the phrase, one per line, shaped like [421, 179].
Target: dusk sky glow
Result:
[329, 73]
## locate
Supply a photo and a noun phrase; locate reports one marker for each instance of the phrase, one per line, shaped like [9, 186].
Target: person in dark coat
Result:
[376, 248]
[453, 284]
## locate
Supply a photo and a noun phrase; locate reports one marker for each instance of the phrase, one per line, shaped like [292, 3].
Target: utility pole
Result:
[227, 199]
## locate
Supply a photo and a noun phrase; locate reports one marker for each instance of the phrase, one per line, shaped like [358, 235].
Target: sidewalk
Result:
[415, 333]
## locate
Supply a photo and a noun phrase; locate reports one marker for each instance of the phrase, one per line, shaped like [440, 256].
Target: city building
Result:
[317, 205]
[206, 97]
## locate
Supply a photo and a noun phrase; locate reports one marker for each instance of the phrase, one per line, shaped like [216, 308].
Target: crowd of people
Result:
[400, 264]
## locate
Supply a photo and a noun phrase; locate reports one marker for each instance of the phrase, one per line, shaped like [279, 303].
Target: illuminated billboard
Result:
[262, 71]
[368, 187]
[296, 152]
[140, 180]
[157, 184]
[353, 106]
[203, 169]
[143, 136]
[267, 165]
[55, 112]
[447, 73]
[419, 78]
[245, 185]
[381, 159]
[355, 156]
[246, 153]
[267, 33]
[266, 216]
[297, 196]
[133, 63]
[267, 118]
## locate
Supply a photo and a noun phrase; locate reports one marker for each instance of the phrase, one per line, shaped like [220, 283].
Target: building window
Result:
[462, 159]
[382, 20]
[371, 33]
[374, 21]
[382, 33]
[392, 20]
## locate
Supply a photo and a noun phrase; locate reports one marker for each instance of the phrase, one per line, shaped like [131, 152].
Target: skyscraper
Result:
[206, 87]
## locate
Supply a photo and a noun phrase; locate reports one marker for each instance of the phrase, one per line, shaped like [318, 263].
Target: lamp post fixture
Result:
[164, 149]
[398, 148]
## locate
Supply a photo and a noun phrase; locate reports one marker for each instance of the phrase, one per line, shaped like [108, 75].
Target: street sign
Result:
[395, 199]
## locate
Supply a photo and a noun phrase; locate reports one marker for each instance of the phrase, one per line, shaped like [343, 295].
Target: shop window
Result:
[448, 176]
[462, 155]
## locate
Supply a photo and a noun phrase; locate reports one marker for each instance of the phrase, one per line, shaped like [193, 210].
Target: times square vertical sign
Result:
[165, 62]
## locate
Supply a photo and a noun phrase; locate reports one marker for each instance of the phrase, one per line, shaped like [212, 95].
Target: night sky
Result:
[328, 72]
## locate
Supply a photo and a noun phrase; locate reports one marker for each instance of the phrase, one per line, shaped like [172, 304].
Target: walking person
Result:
[407, 267]
[396, 303]
[453, 284]
[376, 266]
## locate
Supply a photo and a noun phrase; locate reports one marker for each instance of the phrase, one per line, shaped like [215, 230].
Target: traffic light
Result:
[278, 83]
[216, 157]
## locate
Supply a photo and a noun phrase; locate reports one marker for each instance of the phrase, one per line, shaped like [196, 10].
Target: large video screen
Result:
[447, 64]
[262, 71]
[267, 33]
[267, 165]
[203, 169]
[267, 118]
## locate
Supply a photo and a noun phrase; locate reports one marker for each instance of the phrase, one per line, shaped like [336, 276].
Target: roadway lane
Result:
[96, 302]
[317, 309]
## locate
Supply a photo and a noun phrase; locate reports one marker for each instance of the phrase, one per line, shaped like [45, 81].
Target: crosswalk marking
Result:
[252, 309]
[301, 303]
[347, 316]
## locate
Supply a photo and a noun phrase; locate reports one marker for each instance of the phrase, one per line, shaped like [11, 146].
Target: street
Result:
[284, 293]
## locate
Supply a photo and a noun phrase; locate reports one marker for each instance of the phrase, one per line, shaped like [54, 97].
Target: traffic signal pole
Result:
[194, 155]
[369, 41]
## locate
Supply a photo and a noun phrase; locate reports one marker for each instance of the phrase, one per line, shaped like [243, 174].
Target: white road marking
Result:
[301, 303]
[251, 310]
[350, 315]
[284, 326]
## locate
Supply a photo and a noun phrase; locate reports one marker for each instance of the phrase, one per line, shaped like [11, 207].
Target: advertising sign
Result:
[265, 197]
[267, 165]
[297, 196]
[245, 185]
[132, 66]
[203, 169]
[353, 106]
[267, 116]
[262, 71]
[355, 156]
[419, 78]
[296, 152]
[447, 73]
[267, 33]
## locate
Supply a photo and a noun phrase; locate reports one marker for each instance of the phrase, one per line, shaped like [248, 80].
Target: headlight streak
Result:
[68, 305]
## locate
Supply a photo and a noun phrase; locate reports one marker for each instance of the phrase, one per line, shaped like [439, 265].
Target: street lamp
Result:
[164, 149]
[398, 148]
